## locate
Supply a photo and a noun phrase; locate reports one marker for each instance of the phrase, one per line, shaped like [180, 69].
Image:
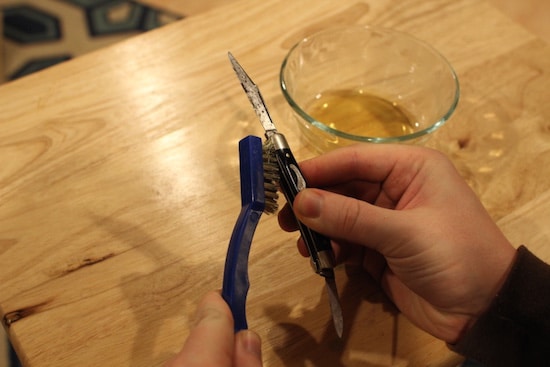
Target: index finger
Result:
[366, 162]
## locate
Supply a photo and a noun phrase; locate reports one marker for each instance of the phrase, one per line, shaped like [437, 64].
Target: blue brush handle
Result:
[235, 277]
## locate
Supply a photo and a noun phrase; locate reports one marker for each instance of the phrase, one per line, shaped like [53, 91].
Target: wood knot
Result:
[463, 143]
[12, 317]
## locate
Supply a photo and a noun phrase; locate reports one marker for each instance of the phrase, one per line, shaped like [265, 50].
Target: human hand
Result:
[212, 342]
[405, 214]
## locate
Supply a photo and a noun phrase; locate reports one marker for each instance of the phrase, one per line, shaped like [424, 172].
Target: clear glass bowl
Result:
[367, 84]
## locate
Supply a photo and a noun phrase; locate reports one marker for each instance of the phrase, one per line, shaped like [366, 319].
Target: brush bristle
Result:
[271, 180]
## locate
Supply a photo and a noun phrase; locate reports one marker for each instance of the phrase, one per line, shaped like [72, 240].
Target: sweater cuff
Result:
[513, 329]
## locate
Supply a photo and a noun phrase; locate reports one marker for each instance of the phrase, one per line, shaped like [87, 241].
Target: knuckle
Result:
[349, 218]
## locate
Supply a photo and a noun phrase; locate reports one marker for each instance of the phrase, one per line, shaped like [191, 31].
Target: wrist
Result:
[487, 283]
[515, 328]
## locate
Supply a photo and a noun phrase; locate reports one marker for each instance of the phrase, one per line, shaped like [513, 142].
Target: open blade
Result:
[335, 307]
[254, 95]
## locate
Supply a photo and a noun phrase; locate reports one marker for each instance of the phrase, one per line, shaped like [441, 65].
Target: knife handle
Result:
[292, 182]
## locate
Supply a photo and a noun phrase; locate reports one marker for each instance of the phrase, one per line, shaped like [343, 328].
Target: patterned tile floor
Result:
[40, 33]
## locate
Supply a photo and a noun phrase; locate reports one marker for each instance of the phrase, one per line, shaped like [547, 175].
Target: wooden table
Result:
[119, 184]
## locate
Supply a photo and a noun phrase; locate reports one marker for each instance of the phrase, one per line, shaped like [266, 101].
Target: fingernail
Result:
[251, 342]
[308, 204]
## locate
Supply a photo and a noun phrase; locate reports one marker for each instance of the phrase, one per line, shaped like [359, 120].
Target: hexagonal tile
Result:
[114, 17]
[87, 3]
[38, 64]
[26, 24]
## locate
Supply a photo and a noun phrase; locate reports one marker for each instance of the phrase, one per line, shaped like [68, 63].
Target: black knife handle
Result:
[292, 182]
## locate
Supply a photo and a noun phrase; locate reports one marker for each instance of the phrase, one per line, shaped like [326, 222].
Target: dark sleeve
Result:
[515, 331]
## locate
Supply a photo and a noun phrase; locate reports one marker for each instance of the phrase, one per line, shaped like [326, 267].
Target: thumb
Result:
[345, 218]
[248, 349]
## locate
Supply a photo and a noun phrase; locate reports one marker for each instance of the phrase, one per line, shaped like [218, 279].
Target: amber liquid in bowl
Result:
[362, 114]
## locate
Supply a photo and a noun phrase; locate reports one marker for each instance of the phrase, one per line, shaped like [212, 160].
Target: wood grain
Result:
[532, 14]
[528, 225]
[119, 184]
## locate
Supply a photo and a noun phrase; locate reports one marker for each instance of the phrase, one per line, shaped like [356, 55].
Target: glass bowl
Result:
[367, 84]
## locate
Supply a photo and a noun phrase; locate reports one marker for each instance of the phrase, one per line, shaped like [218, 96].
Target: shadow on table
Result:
[299, 347]
[155, 297]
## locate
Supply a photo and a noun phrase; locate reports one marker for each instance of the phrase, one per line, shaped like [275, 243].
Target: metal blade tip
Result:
[253, 94]
[335, 307]
[246, 81]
